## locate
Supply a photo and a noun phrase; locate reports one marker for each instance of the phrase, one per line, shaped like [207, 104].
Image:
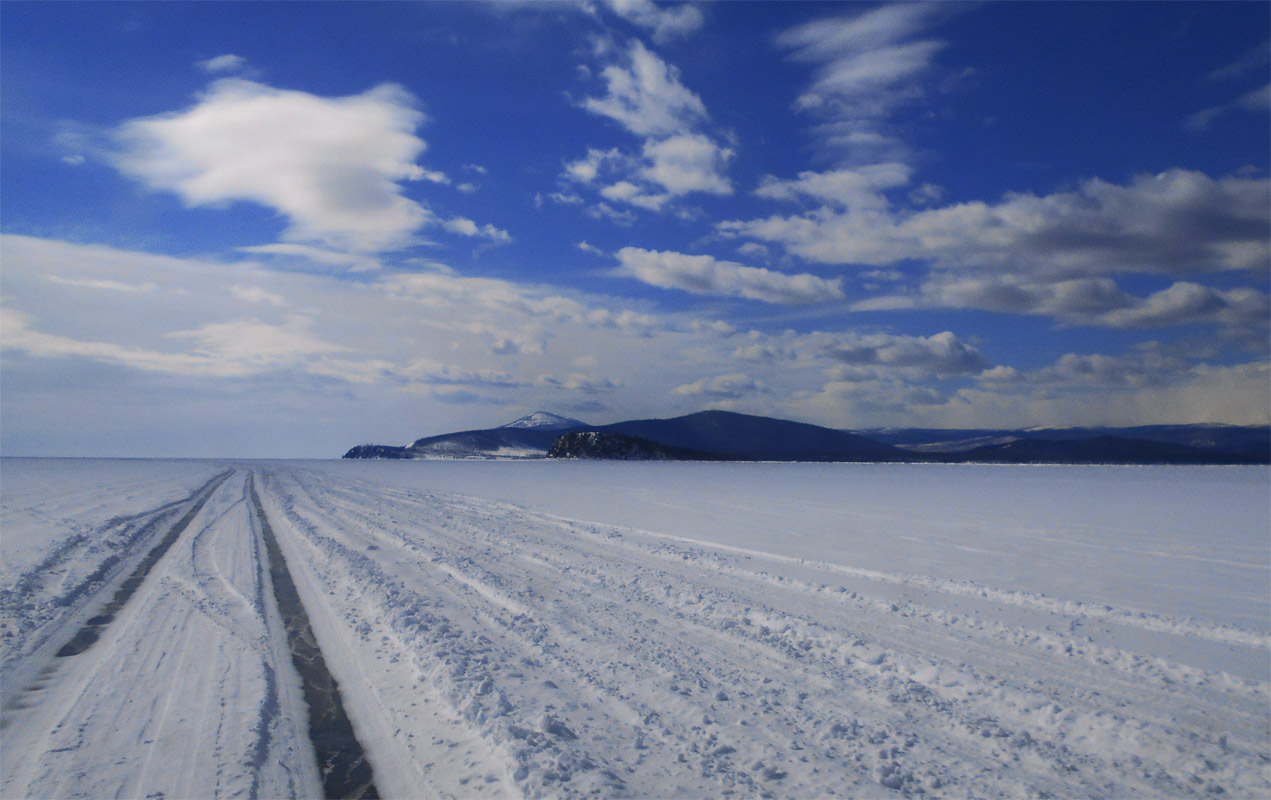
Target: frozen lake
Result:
[1121, 535]
[643, 629]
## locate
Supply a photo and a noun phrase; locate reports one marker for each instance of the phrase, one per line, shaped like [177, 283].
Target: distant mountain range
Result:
[726, 435]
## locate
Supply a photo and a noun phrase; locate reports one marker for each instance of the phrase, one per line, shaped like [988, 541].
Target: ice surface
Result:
[554, 629]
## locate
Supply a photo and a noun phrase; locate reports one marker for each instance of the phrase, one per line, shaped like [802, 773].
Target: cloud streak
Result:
[707, 275]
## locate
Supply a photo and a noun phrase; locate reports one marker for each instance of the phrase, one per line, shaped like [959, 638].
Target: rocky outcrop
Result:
[377, 451]
[618, 447]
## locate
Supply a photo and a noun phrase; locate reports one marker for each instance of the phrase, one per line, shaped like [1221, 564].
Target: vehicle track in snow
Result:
[487, 650]
[187, 693]
[595, 659]
[341, 759]
[72, 580]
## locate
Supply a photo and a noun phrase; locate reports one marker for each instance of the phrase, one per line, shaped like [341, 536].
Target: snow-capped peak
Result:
[542, 420]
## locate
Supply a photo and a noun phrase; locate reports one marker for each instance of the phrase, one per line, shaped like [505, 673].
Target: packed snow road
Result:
[489, 649]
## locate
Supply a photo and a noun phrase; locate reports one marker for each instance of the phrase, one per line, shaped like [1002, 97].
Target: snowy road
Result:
[491, 649]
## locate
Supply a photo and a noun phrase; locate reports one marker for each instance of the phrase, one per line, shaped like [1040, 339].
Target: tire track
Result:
[346, 773]
[92, 630]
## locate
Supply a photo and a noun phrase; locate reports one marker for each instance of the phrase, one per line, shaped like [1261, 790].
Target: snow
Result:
[544, 420]
[545, 629]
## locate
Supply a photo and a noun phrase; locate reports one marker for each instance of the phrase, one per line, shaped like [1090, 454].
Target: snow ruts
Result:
[189, 691]
[341, 760]
[486, 650]
[592, 659]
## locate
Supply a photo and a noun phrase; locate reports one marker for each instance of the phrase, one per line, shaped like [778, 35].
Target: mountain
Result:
[743, 436]
[618, 447]
[726, 435]
[1229, 443]
[377, 451]
[489, 443]
[1103, 450]
[545, 421]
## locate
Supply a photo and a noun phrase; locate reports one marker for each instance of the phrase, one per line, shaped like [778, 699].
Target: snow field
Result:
[486, 648]
[183, 695]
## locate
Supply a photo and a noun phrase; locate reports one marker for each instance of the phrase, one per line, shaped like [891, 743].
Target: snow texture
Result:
[645, 629]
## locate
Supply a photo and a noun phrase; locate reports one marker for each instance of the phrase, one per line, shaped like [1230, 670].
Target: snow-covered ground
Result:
[652, 629]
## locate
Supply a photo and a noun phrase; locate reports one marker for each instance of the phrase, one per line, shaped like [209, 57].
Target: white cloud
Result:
[255, 294]
[646, 97]
[423, 345]
[238, 348]
[589, 168]
[708, 276]
[943, 353]
[590, 248]
[668, 168]
[1144, 386]
[722, 387]
[578, 382]
[687, 163]
[856, 190]
[226, 63]
[433, 372]
[627, 192]
[664, 23]
[109, 285]
[332, 166]
[257, 345]
[1258, 100]
[1186, 302]
[1252, 60]
[868, 65]
[466, 227]
[1096, 302]
[354, 262]
[1178, 222]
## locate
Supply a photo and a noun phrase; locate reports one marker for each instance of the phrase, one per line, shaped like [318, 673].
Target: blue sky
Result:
[281, 229]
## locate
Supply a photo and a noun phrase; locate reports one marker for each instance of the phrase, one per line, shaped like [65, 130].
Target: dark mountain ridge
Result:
[727, 435]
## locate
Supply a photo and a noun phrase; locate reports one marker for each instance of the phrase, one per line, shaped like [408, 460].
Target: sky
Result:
[284, 229]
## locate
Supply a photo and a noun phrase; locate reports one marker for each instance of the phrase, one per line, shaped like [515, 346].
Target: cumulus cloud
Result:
[664, 23]
[687, 163]
[708, 276]
[417, 343]
[332, 166]
[722, 387]
[577, 382]
[466, 227]
[668, 168]
[1150, 383]
[942, 353]
[1186, 302]
[856, 190]
[646, 96]
[1179, 223]
[1096, 302]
